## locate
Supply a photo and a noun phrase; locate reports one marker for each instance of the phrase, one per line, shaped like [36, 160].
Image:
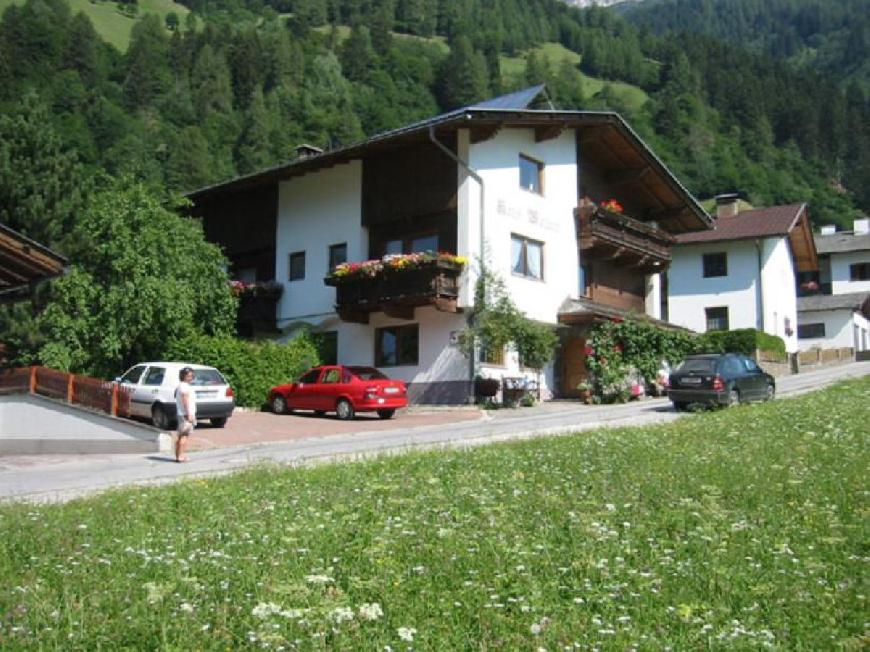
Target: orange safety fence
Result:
[90, 392]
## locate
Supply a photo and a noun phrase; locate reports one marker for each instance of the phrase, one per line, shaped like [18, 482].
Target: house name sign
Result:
[530, 215]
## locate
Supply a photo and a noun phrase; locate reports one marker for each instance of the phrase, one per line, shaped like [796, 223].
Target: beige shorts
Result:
[184, 427]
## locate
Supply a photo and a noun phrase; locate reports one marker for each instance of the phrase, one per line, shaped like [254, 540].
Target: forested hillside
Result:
[829, 36]
[234, 90]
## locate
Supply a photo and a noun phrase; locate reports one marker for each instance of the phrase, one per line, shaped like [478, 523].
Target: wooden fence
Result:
[106, 396]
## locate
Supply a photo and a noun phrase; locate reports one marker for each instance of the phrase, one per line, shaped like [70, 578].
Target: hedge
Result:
[251, 368]
[741, 340]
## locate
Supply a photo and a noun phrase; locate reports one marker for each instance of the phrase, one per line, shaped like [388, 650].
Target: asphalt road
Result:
[60, 478]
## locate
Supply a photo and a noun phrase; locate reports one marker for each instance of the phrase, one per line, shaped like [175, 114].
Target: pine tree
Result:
[464, 76]
[210, 83]
[357, 55]
[252, 149]
[148, 74]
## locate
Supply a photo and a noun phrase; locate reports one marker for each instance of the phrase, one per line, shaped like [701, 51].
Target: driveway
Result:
[248, 428]
[58, 478]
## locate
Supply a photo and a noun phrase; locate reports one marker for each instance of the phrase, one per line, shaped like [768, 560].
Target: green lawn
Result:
[110, 23]
[514, 68]
[738, 529]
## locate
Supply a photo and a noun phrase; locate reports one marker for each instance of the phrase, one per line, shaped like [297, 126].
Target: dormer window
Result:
[531, 174]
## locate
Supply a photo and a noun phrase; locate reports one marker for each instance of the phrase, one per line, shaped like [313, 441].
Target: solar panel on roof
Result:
[516, 100]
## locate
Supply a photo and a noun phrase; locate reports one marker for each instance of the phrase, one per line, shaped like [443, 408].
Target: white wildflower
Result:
[319, 579]
[265, 609]
[186, 607]
[406, 633]
[341, 614]
[371, 611]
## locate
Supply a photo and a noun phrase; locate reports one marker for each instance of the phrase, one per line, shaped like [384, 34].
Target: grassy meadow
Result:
[110, 23]
[738, 529]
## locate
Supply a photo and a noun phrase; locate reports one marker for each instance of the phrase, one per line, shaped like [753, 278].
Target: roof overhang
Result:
[24, 264]
[583, 311]
[803, 245]
[678, 210]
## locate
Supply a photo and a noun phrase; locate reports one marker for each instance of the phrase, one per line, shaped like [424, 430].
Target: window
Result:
[491, 355]
[811, 331]
[531, 174]
[310, 377]
[859, 272]
[154, 376]
[715, 264]
[527, 257]
[132, 377]
[337, 255]
[247, 275]
[717, 318]
[411, 244]
[585, 280]
[397, 345]
[297, 266]
[332, 375]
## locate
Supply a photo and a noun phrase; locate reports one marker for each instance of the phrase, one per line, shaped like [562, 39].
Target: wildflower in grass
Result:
[371, 611]
[265, 609]
[341, 614]
[186, 607]
[319, 579]
[406, 633]
[540, 626]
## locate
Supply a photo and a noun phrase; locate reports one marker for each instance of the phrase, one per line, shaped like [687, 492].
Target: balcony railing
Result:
[258, 305]
[397, 292]
[605, 234]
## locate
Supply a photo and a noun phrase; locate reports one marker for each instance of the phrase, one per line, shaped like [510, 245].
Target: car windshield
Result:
[697, 364]
[207, 377]
[367, 373]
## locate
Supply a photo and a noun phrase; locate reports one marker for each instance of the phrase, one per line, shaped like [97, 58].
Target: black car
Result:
[719, 379]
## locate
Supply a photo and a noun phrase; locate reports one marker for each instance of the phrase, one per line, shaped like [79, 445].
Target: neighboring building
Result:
[24, 264]
[742, 274]
[835, 307]
[497, 181]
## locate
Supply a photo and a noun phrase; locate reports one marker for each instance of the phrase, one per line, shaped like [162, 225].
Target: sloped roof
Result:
[851, 301]
[842, 243]
[23, 263]
[756, 223]
[789, 220]
[679, 210]
[584, 311]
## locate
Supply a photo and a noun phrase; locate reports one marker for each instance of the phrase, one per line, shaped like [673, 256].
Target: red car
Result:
[343, 390]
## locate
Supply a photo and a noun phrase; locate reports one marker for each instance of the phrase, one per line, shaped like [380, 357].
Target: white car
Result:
[152, 393]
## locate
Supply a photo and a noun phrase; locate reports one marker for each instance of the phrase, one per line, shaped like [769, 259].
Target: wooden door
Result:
[573, 366]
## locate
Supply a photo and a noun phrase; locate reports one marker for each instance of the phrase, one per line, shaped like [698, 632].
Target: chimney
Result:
[727, 205]
[304, 151]
[828, 229]
[862, 226]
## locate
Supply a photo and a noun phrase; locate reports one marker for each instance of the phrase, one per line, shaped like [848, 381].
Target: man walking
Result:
[185, 403]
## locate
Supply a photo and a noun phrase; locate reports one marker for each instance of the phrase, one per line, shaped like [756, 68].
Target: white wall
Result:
[839, 329]
[548, 218]
[315, 211]
[689, 293]
[439, 357]
[840, 283]
[780, 296]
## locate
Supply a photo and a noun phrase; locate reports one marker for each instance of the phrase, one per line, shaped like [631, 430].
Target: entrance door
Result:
[573, 366]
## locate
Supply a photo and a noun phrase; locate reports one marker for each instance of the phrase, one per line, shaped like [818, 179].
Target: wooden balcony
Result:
[397, 292]
[257, 313]
[626, 241]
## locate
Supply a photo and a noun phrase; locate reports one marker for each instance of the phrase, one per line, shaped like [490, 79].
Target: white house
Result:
[835, 311]
[742, 273]
[516, 187]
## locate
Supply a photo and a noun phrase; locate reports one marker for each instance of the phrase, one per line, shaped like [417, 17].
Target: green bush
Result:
[252, 368]
[741, 340]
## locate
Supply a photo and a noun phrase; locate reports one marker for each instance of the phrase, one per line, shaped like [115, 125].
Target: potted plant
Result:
[486, 387]
[585, 389]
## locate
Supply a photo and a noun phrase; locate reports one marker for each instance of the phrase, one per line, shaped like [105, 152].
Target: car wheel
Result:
[279, 404]
[386, 414]
[160, 418]
[344, 409]
[733, 398]
[680, 406]
[771, 393]
[218, 422]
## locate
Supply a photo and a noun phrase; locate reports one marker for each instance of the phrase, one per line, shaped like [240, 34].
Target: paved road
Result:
[62, 478]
